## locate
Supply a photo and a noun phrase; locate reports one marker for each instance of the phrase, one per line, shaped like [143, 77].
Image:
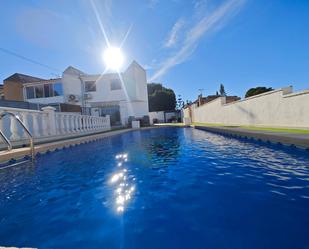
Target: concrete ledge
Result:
[298, 140]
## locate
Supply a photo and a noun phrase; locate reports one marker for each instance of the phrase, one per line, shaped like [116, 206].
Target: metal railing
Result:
[7, 141]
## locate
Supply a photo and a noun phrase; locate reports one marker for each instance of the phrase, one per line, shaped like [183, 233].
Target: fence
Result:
[50, 125]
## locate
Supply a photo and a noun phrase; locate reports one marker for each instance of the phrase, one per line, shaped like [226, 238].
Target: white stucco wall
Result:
[156, 115]
[279, 108]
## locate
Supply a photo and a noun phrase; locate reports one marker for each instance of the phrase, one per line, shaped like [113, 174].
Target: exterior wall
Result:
[156, 115]
[13, 91]
[279, 108]
[71, 84]
[103, 89]
[132, 97]
[138, 109]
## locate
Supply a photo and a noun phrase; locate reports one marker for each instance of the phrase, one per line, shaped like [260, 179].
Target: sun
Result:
[113, 58]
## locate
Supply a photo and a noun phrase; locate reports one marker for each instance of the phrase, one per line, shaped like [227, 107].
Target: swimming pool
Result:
[159, 188]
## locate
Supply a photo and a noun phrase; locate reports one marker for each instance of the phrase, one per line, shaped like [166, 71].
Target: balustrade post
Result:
[67, 123]
[87, 123]
[49, 122]
[35, 125]
[90, 123]
[76, 123]
[102, 122]
[72, 123]
[80, 121]
[14, 129]
[24, 118]
[57, 124]
[107, 122]
[62, 123]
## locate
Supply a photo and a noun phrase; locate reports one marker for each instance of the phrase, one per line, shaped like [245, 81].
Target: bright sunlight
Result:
[113, 58]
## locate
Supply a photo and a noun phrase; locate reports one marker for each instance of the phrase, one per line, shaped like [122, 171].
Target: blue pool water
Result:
[159, 188]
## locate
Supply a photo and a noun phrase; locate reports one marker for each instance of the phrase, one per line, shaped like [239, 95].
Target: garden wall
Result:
[278, 108]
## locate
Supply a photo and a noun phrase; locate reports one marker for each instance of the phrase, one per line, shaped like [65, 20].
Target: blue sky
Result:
[185, 44]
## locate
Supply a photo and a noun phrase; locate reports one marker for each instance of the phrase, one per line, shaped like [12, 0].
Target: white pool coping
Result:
[21, 153]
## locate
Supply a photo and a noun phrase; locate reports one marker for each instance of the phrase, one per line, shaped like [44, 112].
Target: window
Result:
[44, 91]
[39, 91]
[48, 90]
[90, 86]
[30, 92]
[58, 91]
[115, 84]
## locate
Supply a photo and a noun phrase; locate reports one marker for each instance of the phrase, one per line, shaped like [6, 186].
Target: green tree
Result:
[257, 90]
[160, 98]
[180, 102]
[222, 90]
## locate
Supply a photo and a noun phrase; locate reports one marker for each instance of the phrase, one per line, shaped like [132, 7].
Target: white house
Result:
[118, 95]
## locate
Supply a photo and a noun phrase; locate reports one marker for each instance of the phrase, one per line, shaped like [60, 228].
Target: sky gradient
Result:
[185, 44]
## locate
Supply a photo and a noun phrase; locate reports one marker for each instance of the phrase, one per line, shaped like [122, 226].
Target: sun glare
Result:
[113, 58]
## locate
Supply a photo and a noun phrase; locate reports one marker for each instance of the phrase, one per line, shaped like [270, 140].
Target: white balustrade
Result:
[48, 123]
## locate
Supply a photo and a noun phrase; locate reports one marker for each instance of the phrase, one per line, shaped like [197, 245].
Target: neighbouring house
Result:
[1, 92]
[203, 100]
[123, 96]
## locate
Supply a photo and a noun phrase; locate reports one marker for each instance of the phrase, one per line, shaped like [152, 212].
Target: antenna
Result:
[201, 91]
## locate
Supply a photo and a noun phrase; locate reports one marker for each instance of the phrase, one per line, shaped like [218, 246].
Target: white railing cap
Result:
[48, 108]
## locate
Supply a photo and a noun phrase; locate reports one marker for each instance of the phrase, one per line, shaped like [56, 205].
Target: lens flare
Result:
[113, 58]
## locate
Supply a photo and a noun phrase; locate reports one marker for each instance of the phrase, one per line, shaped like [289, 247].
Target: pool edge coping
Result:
[272, 137]
[24, 152]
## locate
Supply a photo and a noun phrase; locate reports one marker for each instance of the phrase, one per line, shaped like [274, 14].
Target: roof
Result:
[134, 63]
[22, 78]
[73, 70]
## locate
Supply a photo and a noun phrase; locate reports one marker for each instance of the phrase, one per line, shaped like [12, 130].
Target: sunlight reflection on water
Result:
[123, 188]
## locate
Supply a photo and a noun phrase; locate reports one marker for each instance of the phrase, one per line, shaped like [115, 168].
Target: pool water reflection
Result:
[159, 188]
